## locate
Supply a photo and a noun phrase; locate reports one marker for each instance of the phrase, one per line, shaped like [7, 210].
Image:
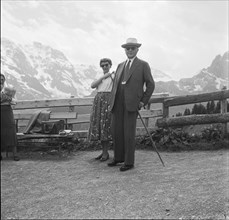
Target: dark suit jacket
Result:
[134, 91]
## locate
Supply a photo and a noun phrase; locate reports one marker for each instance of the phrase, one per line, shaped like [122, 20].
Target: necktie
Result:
[127, 69]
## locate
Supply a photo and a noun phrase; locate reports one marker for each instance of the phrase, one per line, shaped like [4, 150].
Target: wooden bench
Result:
[60, 109]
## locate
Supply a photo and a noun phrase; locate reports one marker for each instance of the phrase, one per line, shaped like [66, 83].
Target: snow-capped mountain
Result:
[38, 71]
[160, 76]
[41, 72]
[210, 79]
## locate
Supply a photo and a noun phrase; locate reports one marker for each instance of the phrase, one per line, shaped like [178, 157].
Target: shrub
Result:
[175, 139]
[212, 133]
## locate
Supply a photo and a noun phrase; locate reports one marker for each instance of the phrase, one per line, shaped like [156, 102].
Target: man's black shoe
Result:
[114, 163]
[126, 167]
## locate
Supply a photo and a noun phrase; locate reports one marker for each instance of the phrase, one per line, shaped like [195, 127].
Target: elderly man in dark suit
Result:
[127, 97]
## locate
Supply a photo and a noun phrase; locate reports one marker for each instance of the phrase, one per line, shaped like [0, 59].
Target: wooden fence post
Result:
[147, 119]
[223, 109]
[16, 125]
[71, 109]
[165, 110]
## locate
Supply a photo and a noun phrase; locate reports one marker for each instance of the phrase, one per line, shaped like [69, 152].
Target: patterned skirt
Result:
[8, 127]
[100, 119]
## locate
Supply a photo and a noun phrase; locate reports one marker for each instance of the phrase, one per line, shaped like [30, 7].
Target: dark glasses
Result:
[130, 48]
[104, 65]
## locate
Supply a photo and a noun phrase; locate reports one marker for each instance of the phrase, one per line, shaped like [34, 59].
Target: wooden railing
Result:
[222, 117]
[75, 112]
[153, 117]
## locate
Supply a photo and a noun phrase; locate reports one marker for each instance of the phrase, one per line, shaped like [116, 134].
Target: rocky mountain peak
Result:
[39, 71]
[219, 66]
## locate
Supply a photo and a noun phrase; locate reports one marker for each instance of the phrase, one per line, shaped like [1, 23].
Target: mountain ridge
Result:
[39, 71]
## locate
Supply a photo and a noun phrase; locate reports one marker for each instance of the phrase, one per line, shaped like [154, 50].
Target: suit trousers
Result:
[123, 129]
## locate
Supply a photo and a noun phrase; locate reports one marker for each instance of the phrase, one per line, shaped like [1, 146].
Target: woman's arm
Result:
[5, 98]
[96, 83]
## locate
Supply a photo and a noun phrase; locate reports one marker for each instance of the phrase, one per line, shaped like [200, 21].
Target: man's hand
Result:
[141, 104]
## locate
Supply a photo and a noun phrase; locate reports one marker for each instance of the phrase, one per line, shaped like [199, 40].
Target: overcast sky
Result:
[178, 37]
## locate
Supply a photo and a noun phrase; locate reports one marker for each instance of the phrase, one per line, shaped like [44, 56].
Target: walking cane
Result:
[154, 145]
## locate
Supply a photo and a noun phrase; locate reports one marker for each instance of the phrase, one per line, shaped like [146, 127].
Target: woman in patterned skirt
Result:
[8, 127]
[100, 120]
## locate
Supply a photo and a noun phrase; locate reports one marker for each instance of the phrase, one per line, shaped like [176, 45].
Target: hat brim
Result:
[131, 45]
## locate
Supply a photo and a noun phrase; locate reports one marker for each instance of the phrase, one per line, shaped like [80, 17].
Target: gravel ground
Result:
[192, 185]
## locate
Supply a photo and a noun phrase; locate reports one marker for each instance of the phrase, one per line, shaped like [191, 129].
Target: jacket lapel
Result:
[116, 83]
[119, 71]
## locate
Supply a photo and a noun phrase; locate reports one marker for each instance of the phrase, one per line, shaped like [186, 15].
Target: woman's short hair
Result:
[105, 60]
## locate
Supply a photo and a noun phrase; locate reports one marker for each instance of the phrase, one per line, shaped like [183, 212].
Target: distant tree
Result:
[178, 114]
[194, 109]
[217, 107]
[202, 109]
[187, 111]
[212, 107]
[208, 108]
[199, 109]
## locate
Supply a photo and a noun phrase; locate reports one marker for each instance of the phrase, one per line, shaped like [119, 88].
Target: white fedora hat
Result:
[131, 42]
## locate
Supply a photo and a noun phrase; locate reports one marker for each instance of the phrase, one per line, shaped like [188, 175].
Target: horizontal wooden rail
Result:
[69, 102]
[54, 103]
[151, 113]
[53, 115]
[74, 118]
[158, 98]
[190, 99]
[22, 136]
[193, 120]
[81, 119]
[140, 131]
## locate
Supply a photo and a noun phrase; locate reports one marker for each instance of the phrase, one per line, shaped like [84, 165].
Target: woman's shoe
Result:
[16, 158]
[104, 158]
[99, 157]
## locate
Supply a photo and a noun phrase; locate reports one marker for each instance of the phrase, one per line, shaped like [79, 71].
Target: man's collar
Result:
[132, 59]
